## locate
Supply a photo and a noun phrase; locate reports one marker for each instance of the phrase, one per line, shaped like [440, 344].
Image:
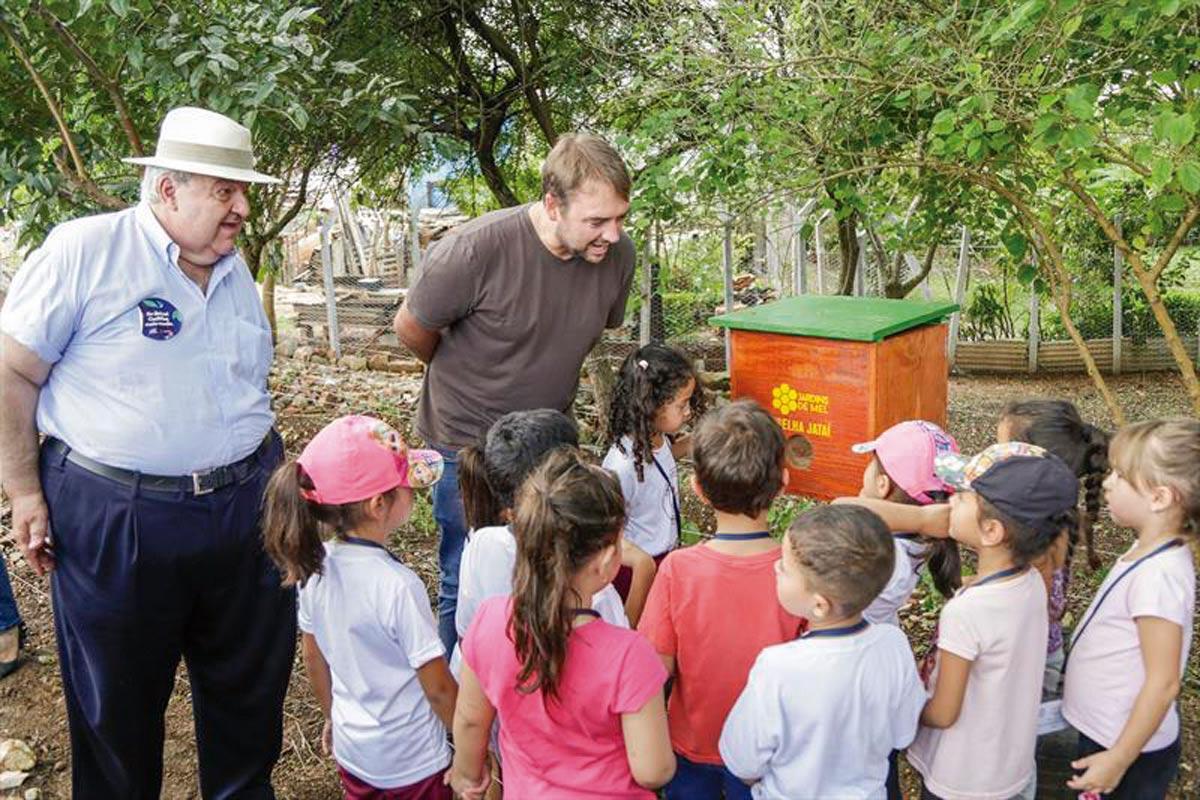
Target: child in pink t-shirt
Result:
[712, 608]
[579, 700]
[1130, 649]
[977, 734]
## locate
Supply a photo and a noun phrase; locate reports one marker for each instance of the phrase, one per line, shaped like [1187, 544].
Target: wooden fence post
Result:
[859, 278]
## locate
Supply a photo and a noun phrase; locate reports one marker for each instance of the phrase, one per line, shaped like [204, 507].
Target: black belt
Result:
[197, 483]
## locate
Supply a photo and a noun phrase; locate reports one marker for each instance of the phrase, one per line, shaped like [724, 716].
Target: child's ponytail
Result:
[1057, 426]
[292, 525]
[1092, 471]
[567, 512]
[291, 531]
[648, 379]
[945, 566]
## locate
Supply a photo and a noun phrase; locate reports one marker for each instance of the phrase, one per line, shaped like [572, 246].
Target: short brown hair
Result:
[738, 450]
[579, 157]
[846, 553]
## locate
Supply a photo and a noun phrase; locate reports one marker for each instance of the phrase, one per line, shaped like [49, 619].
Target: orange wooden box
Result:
[835, 371]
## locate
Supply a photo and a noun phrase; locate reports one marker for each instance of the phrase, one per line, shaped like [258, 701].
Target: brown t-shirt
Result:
[516, 323]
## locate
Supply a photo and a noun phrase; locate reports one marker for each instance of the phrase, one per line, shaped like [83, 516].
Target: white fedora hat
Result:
[204, 143]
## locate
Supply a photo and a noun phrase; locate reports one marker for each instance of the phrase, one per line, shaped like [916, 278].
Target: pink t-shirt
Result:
[571, 746]
[714, 613]
[1105, 671]
[987, 754]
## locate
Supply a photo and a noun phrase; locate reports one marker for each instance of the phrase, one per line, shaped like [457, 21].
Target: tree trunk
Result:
[268, 301]
[848, 249]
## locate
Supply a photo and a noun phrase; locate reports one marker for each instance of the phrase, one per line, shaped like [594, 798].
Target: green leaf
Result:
[1081, 136]
[119, 7]
[1016, 244]
[1189, 177]
[1168, 7]
[1071, 25]
[974, 149]
[1081, 100]
[1160, 172]
[944, 121]
[1180, 129]
[1026, 273]
[183, 58]
[226, 61]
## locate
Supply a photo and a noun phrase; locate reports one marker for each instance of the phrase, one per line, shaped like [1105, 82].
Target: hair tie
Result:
[310, 495]
[643, 364]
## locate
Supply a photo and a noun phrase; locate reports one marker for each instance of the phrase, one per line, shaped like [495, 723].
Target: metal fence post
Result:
[727, 268]
[819, 241]
[647, 286]
[960, 290]
[1118, 331]
[859, 278]
[1035, 332]
[331, 315]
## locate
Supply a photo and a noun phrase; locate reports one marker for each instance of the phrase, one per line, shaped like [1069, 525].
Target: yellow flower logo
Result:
[785, 399]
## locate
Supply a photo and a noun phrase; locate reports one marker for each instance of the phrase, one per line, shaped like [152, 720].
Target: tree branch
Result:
[89, 63]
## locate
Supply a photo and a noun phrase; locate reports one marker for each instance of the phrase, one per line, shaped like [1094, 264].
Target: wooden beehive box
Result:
[835, 371]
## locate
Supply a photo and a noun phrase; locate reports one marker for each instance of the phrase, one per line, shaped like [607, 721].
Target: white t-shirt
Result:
[820, 715]
[486, 570]
[910, 556]
[1105, 670]
[649, 503]
[372, 620]
[987, 754]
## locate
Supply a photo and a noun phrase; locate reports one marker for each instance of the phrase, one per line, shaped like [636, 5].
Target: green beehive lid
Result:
[862, 319]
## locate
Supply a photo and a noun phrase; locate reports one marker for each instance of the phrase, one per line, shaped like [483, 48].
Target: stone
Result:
[302, 353]
[287, 346]
[377, 362]
[716, 381]
[405, 367]
[11, 780]
[16, 756]
[33, 794]
[357, 363]
[317, 358]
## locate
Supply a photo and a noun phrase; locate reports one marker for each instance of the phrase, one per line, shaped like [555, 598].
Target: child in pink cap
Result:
[370, 643]
[901, 470]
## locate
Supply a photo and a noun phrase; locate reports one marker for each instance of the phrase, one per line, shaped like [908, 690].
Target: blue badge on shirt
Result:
[160, 319]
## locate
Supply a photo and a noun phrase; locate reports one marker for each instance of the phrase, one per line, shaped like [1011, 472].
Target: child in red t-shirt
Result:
[712, 608]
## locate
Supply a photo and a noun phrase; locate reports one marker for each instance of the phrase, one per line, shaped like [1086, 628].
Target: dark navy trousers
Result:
[142, 579]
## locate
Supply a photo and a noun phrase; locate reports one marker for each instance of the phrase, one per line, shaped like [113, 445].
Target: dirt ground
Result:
[307, 396]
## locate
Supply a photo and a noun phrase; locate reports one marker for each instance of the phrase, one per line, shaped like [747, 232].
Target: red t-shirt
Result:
[714, 613]
[572, 746]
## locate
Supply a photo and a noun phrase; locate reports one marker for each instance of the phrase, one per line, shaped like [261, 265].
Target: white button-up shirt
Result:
[148, 373]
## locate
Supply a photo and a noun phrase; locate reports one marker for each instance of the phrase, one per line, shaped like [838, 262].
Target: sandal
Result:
[9, 667]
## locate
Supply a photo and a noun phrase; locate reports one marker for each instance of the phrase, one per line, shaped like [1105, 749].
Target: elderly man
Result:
[136, 343]
[505, 311]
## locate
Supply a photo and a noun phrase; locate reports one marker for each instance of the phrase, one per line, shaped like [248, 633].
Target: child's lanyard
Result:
[845, 630]
[742, 537]
[1162, 548]
[996, 576]
[356, 540]
[674, 497]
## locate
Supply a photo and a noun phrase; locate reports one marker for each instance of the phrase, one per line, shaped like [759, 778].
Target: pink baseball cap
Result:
[356, 458]
[908, 452]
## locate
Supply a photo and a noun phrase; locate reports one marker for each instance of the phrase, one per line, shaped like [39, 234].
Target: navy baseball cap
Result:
[1023, 481]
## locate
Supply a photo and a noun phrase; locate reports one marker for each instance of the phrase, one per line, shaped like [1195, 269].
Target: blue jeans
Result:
[9, 618]
[452, 529]
[1148, 777]
[694, 781]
